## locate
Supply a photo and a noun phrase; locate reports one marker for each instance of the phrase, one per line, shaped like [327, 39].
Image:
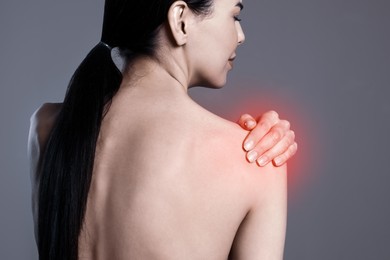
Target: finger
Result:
[282, 159]
[274, 142]
[280, 148]
[266, 122]
[247, 122]
[277, 140]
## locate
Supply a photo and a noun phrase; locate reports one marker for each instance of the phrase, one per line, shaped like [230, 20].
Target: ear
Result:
[178, 19]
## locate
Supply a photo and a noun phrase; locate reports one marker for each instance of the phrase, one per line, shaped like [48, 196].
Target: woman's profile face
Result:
[214, 42]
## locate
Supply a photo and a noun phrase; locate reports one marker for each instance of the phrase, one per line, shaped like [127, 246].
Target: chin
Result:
[218, 86]
[215, 83]
[212, 86]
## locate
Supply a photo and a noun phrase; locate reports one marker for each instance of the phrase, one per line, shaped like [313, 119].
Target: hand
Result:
[270, 139]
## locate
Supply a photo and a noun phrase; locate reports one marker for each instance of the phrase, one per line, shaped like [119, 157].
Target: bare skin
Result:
[159, 191]
[181, 203]
[170, 179]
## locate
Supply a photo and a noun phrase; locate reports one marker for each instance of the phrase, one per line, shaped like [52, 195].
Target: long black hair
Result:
[67, 164]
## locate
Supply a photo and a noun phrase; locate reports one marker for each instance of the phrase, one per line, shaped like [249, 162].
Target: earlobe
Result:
[177, 20]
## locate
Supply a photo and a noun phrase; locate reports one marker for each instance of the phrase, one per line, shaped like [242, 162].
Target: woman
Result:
[131, 168]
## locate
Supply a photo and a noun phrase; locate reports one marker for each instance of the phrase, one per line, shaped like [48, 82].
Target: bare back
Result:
[172, 183]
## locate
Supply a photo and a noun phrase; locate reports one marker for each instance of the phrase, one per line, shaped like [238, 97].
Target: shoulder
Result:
[230, 145]
[222, 147]
[45, 115]
[264, 188]
[43, 118]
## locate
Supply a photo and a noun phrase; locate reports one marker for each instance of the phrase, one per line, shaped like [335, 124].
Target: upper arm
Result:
[41, 123]
[261, 234]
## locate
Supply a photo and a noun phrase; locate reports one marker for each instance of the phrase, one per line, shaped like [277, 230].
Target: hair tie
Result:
[106, 45]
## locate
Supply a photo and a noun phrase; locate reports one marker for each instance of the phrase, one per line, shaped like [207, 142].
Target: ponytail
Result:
[65, 174]
[67, 165]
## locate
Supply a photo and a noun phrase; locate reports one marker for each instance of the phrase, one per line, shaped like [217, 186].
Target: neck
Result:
[150, 73]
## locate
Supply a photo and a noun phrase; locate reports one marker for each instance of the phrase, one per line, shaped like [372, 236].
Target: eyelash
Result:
[237, 19]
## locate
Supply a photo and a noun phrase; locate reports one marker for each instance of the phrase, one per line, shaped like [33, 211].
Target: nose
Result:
[240, 34]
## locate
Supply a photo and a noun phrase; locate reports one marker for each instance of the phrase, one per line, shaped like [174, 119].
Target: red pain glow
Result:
[303, 162]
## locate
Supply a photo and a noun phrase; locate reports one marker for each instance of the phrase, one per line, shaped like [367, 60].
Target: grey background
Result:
[322, 64]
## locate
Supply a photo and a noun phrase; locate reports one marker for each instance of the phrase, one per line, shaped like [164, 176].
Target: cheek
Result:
[225, 42]
[229, 39]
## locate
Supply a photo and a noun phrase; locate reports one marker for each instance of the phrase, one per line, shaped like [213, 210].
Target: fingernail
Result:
[252, 155]
[278, 161]
[248, 145]
[249, 123]
[262, 160]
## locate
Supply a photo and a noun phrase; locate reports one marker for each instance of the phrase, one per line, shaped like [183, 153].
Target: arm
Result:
[41, 123]
[261, 234]
[270, 139]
